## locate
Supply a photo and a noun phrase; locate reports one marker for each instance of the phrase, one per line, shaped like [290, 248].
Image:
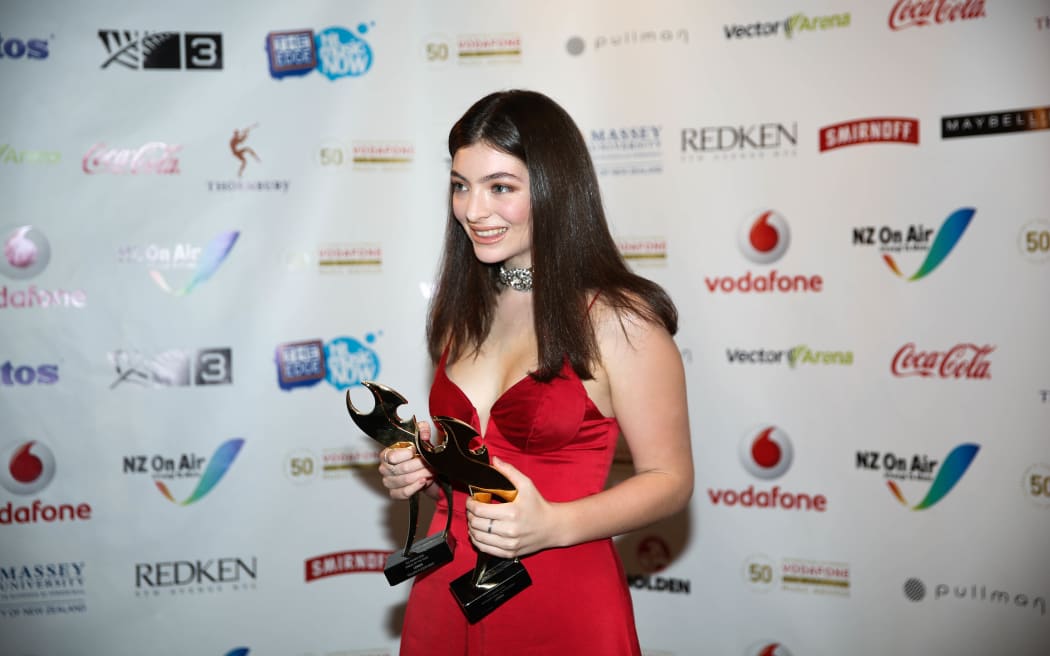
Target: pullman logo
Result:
[915, 591]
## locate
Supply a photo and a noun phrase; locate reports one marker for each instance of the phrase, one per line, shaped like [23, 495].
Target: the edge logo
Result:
[766, 453]
[764, 240]
[27, 467]
[23, 49]
[920, 468]
[186, 466]
[343, 362]
[145, 50]
[335, 52]
[916, 239]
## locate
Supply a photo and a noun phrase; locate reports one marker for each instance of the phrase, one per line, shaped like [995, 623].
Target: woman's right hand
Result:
[404, 472]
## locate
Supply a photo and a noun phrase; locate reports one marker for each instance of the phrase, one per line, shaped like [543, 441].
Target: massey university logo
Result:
[144, 50]
[335, 52]
[207, 264]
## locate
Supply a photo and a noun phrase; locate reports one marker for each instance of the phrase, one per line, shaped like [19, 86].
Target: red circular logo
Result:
[764, 239]
[766, 452]
[28, 467]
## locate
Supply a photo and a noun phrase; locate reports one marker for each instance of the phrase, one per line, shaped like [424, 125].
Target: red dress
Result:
[578, 602]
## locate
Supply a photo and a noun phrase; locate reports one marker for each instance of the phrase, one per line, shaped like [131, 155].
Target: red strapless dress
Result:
[578, 602]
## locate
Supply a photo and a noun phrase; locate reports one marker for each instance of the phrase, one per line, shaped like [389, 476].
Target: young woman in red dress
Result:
[546, 343]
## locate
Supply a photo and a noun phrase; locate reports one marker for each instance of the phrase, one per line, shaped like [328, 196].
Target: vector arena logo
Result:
[763, 240]
[766, 453]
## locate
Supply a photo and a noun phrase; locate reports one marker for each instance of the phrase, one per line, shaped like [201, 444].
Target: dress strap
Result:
[591, 304]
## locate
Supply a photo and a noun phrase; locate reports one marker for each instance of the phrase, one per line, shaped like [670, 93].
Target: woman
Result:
[550, 347]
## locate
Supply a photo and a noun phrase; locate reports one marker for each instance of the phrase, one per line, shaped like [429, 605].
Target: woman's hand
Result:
[404, 472]
[521, 527]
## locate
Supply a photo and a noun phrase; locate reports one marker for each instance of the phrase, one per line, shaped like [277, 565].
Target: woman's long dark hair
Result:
[573, 253]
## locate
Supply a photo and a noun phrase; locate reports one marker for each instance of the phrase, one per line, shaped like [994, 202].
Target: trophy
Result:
[384, 426]
[494, 580]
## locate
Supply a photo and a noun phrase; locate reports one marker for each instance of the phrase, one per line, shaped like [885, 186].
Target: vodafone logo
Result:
[766, 453]
[28, 467]
[765, 239]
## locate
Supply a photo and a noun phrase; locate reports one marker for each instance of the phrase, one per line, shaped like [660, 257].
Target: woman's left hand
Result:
[518, 528]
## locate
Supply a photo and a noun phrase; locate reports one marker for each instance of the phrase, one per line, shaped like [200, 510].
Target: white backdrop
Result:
[176, 334]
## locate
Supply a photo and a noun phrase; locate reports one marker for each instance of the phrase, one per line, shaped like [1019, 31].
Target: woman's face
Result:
[490, 199]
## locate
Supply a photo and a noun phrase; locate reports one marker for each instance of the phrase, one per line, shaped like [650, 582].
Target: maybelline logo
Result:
[921, 13]
[42, 589]
[172, 577]
[629, 150]
[724, 142]
[173, 368]
[576, 45]
[869, 130]
[791, 26]
[801, 355]
[145, 50]
[1000, 122]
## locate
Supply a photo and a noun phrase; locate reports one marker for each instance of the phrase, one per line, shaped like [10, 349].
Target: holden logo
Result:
[26, 252]
[27, 467]
[766, 452]
[765, 239]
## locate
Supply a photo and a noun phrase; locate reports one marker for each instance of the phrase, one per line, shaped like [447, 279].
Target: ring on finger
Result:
[490, 526]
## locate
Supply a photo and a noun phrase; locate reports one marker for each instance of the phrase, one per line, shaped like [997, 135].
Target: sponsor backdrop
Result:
[218, 218]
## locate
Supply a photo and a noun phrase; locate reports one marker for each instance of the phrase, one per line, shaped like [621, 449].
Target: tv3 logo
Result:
[173, 368]
[140, 50]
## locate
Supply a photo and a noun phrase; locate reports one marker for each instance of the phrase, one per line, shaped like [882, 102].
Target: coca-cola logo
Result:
[921, 13]
[960, 361]
[154, 157]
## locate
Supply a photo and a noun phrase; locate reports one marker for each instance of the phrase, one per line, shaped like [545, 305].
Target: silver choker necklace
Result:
[518, 279]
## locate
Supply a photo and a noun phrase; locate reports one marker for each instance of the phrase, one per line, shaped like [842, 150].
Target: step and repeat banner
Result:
[219, 218]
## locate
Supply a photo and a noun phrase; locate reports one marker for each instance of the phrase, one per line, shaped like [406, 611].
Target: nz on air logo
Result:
[205, 263]
[335, 52]
[916, 239]
[164, 469]
[920, 467]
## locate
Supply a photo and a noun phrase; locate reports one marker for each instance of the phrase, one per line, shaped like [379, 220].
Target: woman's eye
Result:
[458, 186]
[500, 188]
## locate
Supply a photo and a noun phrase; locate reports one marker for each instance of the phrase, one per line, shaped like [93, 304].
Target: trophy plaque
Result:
[494, 580]
[383, 425]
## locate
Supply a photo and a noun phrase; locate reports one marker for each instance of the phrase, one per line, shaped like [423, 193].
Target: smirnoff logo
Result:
[154, 157]
[960, 361]
[921, 13]
[869, 130]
